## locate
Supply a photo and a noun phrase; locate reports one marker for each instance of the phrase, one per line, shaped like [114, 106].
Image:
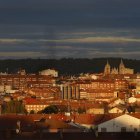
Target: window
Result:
[103, 130]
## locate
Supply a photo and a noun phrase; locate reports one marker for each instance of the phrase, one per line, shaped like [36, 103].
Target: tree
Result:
[131, 109]
[13, 106]
[32, 112]
[81, 110]
[50, 109]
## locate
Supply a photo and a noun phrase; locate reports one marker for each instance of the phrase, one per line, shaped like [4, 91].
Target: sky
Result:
[69, 28]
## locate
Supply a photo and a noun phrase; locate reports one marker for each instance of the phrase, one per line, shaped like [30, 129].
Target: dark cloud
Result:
[69, 28]
[98, 13]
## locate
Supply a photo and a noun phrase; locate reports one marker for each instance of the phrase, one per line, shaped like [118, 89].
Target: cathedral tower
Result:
[121, 68]
[107, 68]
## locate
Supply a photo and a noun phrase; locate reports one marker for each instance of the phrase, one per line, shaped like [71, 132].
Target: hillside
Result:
[66, 65]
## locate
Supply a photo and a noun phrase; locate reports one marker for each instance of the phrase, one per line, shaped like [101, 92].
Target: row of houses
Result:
[54, 122]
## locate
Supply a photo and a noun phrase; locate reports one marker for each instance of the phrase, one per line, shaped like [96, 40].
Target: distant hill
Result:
[67, 66]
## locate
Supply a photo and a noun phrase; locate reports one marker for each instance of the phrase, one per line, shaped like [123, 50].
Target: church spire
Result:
[107, 62]
[121, 67]
[121, 62]
[107, 69]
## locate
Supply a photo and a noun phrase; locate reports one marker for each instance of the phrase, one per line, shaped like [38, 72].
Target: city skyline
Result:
[71, 29]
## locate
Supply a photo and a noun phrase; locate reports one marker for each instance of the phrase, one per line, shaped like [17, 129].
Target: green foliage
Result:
[81, 110]
[13, 106]
[32, 112]
[50, 109]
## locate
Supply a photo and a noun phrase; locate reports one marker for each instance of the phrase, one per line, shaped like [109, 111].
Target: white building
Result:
[50, 72]
[116, 110]
[95, 111]
[132, 100]
[123, 123]
[116, 102]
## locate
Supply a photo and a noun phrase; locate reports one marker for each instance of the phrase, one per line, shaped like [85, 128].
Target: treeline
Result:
[13, 106]
[65, 66]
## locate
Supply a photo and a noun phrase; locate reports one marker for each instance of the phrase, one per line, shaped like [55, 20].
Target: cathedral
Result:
[121, 70]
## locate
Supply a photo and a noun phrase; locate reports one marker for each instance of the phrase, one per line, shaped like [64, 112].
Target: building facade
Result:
[121, 123]
[70, 91]
[20, 82]
[49, 72]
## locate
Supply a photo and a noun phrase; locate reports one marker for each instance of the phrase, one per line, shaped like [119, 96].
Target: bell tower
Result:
[107, 68]
[121, 67]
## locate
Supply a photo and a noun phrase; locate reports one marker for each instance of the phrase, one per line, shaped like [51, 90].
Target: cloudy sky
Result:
[69, 28]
